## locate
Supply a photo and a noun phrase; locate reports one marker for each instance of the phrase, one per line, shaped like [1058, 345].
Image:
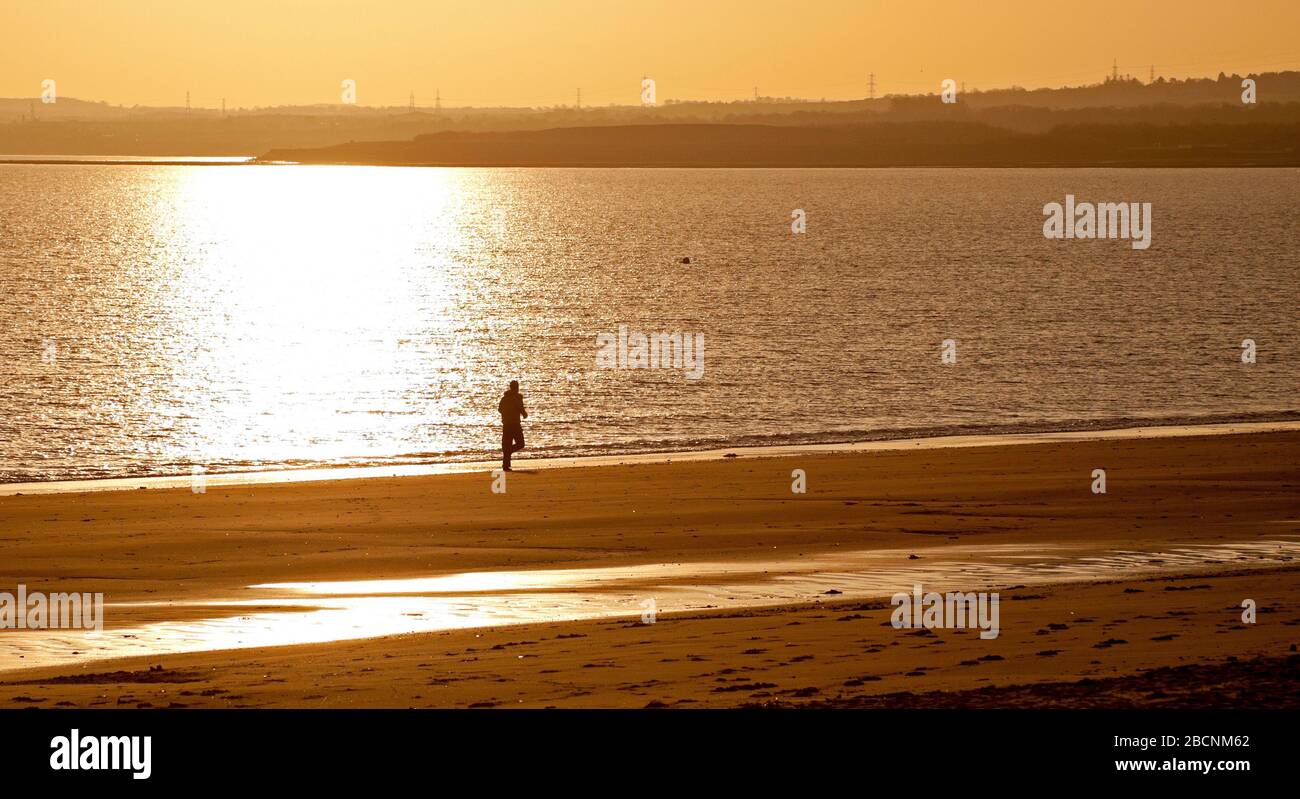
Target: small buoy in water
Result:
[686, 260]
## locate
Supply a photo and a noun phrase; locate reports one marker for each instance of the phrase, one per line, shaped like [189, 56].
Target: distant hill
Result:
[929, 143]
[1126, 91]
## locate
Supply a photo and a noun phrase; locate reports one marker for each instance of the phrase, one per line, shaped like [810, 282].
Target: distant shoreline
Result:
[888, 144]
[128, 160]
[952, 144]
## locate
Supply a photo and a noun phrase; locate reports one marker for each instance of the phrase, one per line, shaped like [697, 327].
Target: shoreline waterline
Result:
[320, 474]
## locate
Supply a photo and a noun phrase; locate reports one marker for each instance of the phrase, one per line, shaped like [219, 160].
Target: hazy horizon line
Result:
[759, 99]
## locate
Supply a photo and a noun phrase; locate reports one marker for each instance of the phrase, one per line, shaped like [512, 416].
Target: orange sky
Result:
[537, 52]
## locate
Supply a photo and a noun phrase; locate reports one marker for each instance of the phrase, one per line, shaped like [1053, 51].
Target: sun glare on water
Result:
[290, 292]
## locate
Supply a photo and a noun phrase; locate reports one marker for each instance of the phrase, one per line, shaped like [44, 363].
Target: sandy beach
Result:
[1107, 608]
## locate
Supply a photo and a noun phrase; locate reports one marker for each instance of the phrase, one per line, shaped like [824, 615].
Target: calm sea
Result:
[158, 317]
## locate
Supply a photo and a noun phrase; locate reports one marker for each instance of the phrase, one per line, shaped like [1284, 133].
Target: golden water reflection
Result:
[320, 612]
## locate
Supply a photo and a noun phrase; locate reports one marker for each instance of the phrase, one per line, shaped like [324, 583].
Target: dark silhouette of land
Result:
[955, 144]
[1191, 113]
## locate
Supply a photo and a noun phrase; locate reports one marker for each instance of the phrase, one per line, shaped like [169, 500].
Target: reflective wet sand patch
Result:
[318, 612]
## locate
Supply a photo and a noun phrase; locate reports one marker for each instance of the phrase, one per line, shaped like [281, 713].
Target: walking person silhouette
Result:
[512, 409]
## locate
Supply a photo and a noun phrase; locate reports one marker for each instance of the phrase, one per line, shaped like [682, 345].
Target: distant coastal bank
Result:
[117, 160]
[919, 144]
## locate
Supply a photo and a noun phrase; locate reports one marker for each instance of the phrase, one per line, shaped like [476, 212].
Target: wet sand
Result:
[907, 508]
